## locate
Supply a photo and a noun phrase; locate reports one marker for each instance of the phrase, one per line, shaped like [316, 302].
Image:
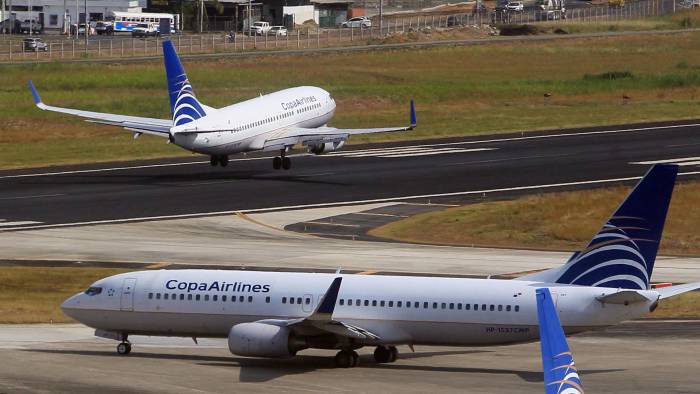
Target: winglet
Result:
[35, 94]
[560, 373]
[327, 305]
[414, 122]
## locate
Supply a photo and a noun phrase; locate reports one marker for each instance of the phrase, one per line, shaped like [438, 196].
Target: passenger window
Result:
[165, 296]
[150, 296]
[298, 300]
[398, 304]
[223, 298]
[391, 304]
[197, 297]
[157, 296]
[358, 302]
[507, 308]
[381, 303]
[425, 305]
[215, 298]
[233, 298]
[241, 299]
[291, 300]
[374, 302]
[467, 307]
[189, 297]
[483, 307]
[408, 304]
[267, 299]
[476, 307]
[500, 308]
[342, 302]
[443, 305]
[366, 302]
[452, 305]
[206, 297]
[284, 300]
[491, 308]
[250, 298]
[459, 306]
[517, 308]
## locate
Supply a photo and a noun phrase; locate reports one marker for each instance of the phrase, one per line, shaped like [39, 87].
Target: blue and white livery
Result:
[273, 122]
[278, 314]
[560, 373]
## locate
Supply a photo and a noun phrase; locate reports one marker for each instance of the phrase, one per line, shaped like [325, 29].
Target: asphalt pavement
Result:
[451, 171]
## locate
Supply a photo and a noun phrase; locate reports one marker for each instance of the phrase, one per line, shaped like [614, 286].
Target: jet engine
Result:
[260, 339]
[326, 147]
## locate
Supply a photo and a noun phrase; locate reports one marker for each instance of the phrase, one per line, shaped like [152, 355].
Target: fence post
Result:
[61, 49]
[73, 49]
[213, 43]
[10, 50]
[99, 47]
[318, 37]
[352, 34]
[266, 40]
[298, 36]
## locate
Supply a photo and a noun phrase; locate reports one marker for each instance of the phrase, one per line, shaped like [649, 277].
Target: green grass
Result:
[555, 221]
[458, 91]
[34, 295]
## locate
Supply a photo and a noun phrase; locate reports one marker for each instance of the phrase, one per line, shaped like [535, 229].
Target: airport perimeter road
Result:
[635, 357]
[449, 171]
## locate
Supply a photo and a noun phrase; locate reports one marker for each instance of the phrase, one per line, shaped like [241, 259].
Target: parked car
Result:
[358, 21]
[145, 30]
[106, 28]
[277, 31]
[515, 6]
[35, 45]
[25, 26]
[260, 28]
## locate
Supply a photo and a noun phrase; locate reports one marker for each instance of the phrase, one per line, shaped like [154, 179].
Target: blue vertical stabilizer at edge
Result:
[183, 103]
[560, 374]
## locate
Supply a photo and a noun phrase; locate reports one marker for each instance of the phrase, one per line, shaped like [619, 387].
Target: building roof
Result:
[331, 1]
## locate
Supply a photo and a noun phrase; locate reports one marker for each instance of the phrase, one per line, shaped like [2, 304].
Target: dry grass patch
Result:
[34, 295]
[684, 305]
[556, 221]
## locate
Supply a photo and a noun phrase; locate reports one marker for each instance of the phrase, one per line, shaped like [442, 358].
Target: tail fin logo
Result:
[613, 258]
[186, 108]
[570, 383]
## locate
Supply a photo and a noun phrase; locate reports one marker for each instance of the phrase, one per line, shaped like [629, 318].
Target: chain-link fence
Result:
[12, 50]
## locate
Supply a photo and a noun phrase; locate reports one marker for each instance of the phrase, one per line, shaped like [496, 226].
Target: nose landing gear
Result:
[221, 160]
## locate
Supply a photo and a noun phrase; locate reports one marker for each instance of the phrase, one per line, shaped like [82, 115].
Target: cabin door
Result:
[127, 299]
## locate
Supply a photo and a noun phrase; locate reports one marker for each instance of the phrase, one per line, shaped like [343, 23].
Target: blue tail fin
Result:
[183, 103]
[623, 252]
[560, 374]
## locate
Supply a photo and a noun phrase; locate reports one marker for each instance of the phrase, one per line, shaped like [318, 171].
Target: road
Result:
[453, 170]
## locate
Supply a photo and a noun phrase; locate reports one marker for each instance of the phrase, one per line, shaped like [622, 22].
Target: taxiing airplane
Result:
[277, 314]
[272, 122]
[560, 373]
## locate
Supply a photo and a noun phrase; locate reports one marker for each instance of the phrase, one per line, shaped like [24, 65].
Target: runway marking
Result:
[494, 140]
[410, 151]
[379, 214]
[333, 224]
[19, 223]
[30, 197]
[337, 204]
[681, 161]
[434, 152]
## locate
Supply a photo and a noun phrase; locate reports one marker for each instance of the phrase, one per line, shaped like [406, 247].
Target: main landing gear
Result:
[124, 347]
[347, 359]
[386, 354]
[282, 161]
[221, 160]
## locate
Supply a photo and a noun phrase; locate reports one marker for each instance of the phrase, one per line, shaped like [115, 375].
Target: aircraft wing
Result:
[308, 136]
[670, 291]
[321, 320]
[159, 127]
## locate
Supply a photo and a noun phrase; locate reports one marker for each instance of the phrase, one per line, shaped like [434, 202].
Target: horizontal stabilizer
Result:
[624, 297]
[670, 291]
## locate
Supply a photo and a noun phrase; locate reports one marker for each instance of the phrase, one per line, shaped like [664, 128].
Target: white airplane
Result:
[276, 314]
[273, 122]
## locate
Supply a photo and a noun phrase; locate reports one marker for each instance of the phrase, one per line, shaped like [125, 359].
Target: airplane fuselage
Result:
[400, 310]
[245, 126]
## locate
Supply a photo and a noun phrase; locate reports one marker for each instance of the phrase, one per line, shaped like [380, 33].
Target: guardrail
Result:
[98, 47]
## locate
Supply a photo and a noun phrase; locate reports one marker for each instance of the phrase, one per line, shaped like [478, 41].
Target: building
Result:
[51, 14]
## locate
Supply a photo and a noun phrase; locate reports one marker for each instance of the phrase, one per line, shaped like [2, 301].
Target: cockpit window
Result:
[92, 291]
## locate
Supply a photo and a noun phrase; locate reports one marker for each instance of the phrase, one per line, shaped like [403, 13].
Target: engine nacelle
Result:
[326, 147]
[260, 340]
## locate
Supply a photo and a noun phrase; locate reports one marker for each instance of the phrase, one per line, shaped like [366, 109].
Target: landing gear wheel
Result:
[214, 161]
[394, 353]
[286, 163]
[277, 163]
[347, 359]
[382, 354]
[124, 348]
[223, 161]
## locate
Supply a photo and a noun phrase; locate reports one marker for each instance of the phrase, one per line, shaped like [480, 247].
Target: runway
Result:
[634, 357]
[447, 170]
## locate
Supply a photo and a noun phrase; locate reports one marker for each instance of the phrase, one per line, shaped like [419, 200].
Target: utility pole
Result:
[30, 17]
[381, 14]
[77, 19]
[12, 20]
[4, 14]
[65, 11]
[87, 28]
[201, 16]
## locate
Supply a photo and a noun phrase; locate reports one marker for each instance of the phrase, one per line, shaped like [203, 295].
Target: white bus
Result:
[126, 21]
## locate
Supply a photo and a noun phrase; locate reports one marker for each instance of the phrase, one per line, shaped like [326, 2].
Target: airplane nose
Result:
[70, 306]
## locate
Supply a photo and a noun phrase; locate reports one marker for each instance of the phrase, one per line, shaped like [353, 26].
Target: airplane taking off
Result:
[277, 314]
[560, 373]
[272, 122]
